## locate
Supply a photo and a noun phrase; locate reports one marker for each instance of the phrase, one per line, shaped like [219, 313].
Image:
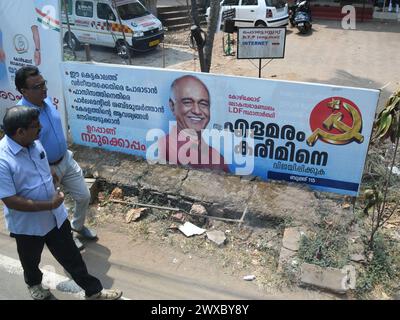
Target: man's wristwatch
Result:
[37, 49]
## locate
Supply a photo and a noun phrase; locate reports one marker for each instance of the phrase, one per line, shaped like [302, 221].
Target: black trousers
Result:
[63, 248]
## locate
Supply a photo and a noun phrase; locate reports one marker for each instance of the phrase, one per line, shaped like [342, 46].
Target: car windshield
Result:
[131, 11]
[275, 3]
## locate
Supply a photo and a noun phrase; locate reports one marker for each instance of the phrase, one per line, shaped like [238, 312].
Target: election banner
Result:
[29, 35]
[309, 133]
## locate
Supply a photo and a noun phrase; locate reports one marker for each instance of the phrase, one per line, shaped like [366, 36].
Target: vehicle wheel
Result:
[261, 24]
[303, 30]
[122, 49]
[72, 43]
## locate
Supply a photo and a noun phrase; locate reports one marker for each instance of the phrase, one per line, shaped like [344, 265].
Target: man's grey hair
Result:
[174, 84]
[19, 117]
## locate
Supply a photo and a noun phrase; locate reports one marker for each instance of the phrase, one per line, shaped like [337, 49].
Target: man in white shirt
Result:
[34, 211]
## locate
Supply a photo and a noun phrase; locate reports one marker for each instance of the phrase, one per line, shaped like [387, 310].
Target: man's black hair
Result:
[24, 73]
[18, 117]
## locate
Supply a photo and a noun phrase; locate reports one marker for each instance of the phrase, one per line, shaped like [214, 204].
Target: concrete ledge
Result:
[226, 190]
[165, 179]
[222, 194]
[336, 280]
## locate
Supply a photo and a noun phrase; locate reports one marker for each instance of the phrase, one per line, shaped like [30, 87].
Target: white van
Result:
[255, 13]
[97, 22]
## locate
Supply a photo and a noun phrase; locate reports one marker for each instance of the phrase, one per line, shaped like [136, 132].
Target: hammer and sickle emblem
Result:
[335, 121]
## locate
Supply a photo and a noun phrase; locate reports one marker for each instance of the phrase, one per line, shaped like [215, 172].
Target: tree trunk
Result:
[195, 12]
[205, 51]
[151, 5]
[212, 28]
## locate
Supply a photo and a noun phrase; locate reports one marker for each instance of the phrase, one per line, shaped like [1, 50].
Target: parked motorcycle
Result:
[300, 16]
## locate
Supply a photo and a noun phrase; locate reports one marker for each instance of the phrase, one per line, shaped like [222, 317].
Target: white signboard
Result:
[315, 134]
[29, 35]
[261, 43]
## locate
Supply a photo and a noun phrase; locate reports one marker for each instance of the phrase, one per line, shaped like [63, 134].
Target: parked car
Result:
[101, 22]
[255, 13]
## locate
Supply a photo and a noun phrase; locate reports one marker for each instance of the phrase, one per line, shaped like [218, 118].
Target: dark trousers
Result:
[63, 248]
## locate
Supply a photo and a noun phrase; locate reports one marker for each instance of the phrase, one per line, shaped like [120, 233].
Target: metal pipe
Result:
[87, 52]
[69, 27]
[177, 209]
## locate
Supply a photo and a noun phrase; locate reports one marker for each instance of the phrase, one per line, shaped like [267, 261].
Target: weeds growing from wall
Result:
[382, 270]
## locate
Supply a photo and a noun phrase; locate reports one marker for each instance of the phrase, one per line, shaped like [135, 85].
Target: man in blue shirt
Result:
[34, 211]
[32, 86]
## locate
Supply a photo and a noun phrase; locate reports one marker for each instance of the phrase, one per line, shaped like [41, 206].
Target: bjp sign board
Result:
[261, 43]
[309, 133]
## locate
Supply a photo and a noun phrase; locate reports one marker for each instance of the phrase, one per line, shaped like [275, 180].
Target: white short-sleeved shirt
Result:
[25, 172]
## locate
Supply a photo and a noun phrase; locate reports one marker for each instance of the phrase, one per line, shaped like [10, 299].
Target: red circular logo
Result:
[329, 106]
[334, 117]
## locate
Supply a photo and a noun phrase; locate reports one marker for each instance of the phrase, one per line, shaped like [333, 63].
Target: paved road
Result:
[142, 270]
[167, 3]
[164, 56]
[130, 273]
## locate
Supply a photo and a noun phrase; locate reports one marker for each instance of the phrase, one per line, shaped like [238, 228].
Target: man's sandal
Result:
[37, 292]
[105, 294]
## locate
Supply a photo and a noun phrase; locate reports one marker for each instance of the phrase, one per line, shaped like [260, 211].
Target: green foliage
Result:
[68, 56]
[387, 123]
[386, 126]
[325, 249]
[381, 270]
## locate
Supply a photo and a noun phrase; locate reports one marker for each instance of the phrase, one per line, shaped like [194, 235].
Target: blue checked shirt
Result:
[51, 135]
[25, 172]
